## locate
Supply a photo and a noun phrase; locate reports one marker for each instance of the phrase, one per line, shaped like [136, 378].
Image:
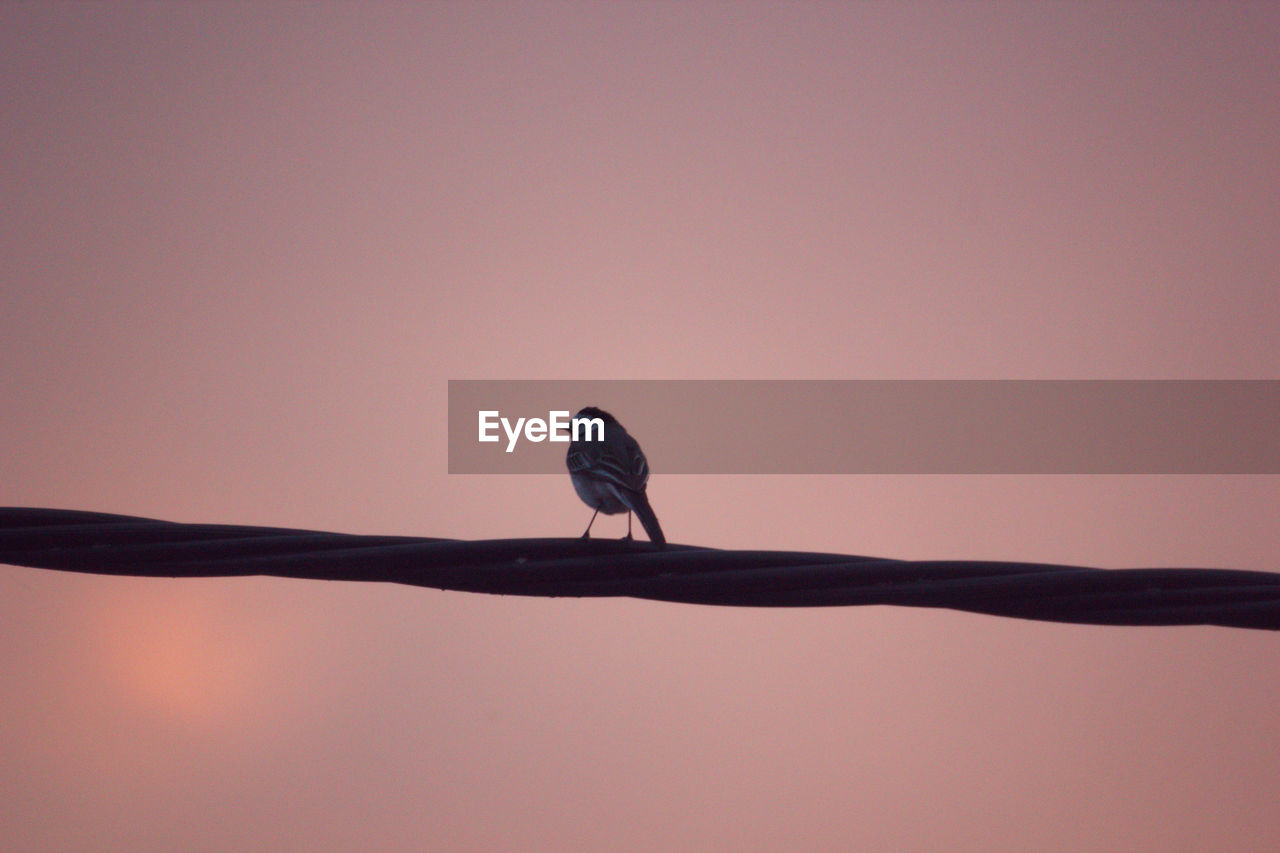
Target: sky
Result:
[244, 247]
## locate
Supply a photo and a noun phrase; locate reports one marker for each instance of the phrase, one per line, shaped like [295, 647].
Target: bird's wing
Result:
[615, 460]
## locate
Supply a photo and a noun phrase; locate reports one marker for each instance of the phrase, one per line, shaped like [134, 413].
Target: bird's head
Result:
[591, 412]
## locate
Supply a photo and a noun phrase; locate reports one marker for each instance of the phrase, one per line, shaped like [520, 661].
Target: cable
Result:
[98, 543]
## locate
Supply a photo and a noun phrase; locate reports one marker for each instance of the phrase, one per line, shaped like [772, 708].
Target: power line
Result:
[99, 543]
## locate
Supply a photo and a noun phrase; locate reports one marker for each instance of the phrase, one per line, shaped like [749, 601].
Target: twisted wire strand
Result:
[99, 543]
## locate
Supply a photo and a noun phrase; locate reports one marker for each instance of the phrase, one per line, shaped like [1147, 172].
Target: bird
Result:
[610, 475]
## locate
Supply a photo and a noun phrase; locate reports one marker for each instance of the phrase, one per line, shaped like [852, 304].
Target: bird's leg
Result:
[587, 534]
[627, 538]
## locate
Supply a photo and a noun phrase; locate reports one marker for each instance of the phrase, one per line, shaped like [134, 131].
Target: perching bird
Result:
[610, 475]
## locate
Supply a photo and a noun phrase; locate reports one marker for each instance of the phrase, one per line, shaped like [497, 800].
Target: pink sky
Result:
[244, 247]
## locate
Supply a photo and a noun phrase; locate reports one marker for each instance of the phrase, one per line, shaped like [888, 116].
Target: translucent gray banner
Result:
[882, 426]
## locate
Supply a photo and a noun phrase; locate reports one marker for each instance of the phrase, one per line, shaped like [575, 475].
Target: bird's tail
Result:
[640, 503]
